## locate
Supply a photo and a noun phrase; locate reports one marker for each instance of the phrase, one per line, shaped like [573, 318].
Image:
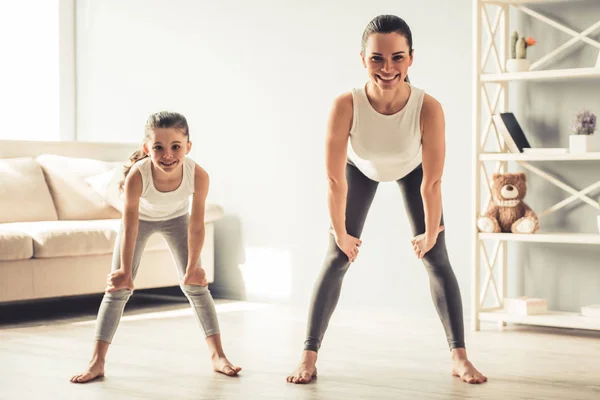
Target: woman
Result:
[386, 131]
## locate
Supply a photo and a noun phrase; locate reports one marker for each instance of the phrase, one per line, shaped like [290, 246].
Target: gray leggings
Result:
[175, 231]
[444, 287]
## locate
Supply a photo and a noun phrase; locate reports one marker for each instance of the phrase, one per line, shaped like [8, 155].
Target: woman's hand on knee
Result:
[195, 276]
[117, 280]
[423, 243]
[349, 245]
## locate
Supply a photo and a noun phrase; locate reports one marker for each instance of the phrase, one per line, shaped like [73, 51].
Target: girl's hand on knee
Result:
[349, 245]
[195, 276]
[118, 279]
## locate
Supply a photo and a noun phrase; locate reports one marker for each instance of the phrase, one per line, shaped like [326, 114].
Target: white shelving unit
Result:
[552, 75]
[491, 17]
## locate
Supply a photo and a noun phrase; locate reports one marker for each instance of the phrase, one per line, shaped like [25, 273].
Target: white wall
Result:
[29, 70]
[256, 80]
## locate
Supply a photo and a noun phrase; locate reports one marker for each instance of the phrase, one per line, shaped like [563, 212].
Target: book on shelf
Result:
[525, 305]
[515, 138]
[511, 131]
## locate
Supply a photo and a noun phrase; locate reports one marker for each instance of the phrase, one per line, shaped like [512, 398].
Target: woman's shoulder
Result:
[343, 103]
[431, 112]
[345, 97]
[430, 105]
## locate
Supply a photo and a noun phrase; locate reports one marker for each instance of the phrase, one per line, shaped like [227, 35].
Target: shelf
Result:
[517, 2]
[493, 27]
[553, 74]
[538, 157]
[574, 238]
[552, 318]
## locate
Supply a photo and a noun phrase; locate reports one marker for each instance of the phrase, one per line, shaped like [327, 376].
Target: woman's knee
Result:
[337, 261]
[437, 263]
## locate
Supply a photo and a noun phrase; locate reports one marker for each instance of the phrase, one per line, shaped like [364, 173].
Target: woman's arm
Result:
[338, 132]
[434, 152]
[196, 226]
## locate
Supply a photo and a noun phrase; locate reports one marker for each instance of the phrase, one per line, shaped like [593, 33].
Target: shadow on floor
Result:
[40, 312]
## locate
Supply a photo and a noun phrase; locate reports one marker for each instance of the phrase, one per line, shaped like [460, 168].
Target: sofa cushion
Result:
[14, 244]
[107, 185]
[76, 238]
[212, 212]
[24, 194]
[74, 198]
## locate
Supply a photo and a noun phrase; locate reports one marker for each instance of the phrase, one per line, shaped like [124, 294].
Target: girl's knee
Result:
[194, 290]
[118, 295]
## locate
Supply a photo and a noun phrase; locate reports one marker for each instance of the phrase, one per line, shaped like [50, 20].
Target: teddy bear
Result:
[507, 211]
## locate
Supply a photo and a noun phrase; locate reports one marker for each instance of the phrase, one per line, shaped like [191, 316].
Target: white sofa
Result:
[58, 229]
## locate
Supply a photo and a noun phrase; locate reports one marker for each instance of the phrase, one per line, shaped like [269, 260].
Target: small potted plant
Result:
[518, 61]
[582, 128]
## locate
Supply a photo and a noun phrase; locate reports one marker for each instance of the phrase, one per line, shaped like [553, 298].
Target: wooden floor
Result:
[159, 353]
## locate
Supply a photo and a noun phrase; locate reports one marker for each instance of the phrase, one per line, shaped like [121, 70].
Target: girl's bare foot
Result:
[221, 364]
[94, 371]
[463, 368]
[307, 369]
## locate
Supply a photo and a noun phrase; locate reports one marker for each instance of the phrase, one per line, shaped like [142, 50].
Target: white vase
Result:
[517, 65]
[598, 223]
[579, 143]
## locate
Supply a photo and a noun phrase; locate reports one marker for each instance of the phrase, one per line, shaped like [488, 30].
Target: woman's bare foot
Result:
[306, 370]
[463, 368]
[221, 364]
[94, 371]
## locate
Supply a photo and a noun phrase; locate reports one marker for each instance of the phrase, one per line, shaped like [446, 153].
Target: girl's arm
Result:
[196, 226]
[133, 191]
[434, 152]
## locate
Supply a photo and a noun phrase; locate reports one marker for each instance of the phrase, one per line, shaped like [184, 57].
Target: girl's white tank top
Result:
[161, 206]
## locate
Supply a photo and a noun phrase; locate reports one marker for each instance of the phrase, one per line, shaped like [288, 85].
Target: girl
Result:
[387, 130]
[157, 188]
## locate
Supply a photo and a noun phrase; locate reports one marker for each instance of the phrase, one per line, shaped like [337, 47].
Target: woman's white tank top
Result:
[385, 147]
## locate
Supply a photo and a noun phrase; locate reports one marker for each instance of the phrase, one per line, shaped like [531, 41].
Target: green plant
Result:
[513, 44]
[519, 44]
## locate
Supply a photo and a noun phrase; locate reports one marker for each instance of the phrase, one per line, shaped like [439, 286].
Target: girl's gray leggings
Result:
[444, 287]
[175, 231]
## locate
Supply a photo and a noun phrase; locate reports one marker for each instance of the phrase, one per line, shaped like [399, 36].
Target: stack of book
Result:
[525, 305]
